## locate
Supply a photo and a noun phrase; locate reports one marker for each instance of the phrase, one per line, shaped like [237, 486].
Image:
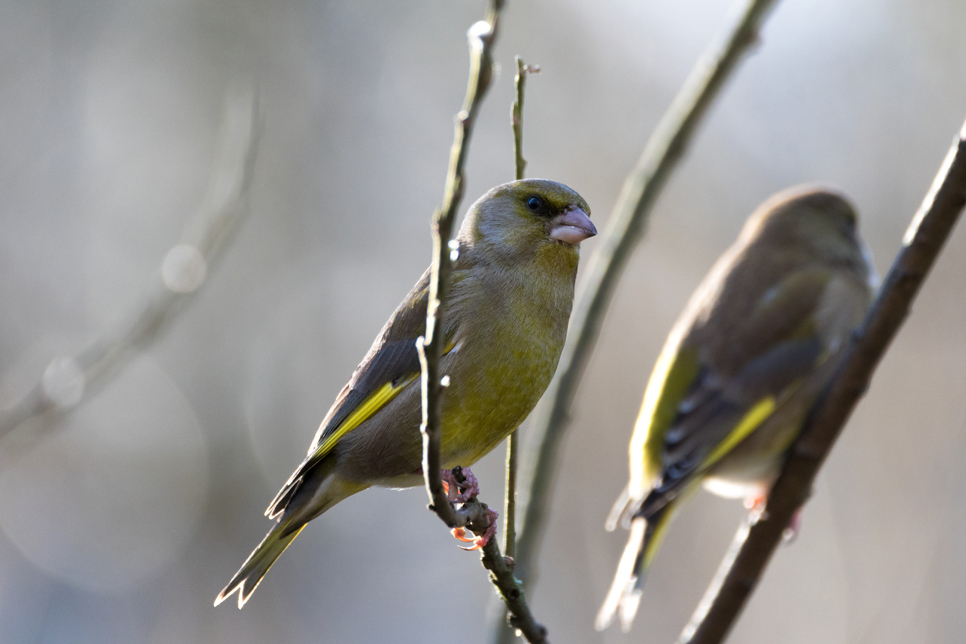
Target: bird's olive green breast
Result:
[508, 347]
[507, 329]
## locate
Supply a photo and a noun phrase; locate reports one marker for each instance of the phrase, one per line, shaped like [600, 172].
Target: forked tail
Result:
[250, 575]
[642, 545]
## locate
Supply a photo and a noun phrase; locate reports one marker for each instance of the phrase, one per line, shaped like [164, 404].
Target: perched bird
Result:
[506, 320]
[740, 370]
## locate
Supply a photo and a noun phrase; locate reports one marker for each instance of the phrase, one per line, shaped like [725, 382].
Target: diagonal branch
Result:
[754, 545]
[472, 514]
[624, 230]
[69, 381]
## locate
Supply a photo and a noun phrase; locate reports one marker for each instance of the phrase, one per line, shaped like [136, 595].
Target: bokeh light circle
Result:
[110, 499]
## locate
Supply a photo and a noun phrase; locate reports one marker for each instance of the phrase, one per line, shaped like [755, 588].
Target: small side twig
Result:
[513, 442]
[754, 545]
[624, 230]
[472, 514]
[68, 381]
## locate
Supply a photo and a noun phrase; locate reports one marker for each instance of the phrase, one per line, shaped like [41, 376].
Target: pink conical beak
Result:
[572, 227]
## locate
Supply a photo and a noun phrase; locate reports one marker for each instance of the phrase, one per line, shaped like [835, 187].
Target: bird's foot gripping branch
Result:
[459, 484]
[462, 488]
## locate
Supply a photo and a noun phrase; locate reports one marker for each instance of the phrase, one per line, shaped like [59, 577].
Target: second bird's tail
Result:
[624, 595]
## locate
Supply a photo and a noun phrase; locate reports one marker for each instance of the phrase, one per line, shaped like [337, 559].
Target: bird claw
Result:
[790, 533]
[460, 487]
[756, 508]
[756, 512]
[460, 535]
[483, 539]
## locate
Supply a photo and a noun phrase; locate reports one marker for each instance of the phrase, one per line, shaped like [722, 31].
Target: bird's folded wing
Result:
[391, 365]
[715, 413]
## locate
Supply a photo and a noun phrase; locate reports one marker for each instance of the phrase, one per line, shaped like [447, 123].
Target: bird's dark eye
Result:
[534, 203]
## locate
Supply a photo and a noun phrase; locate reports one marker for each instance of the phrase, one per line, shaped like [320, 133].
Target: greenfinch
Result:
[740, 370]
[512, 289]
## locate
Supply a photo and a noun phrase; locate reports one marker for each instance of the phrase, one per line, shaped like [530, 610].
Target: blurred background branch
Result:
[624, 230]
[754, 545]
[69, 381]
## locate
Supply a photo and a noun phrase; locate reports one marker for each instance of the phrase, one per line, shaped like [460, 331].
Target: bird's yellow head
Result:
[523, 220]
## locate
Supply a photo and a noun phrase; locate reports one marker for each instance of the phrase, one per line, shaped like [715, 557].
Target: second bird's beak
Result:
[572, 227]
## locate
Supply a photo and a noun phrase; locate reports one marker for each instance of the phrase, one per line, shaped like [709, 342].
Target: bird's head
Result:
[818, 222]
[516, 222]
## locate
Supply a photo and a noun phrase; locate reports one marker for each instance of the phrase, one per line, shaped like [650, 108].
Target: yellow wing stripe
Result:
[368, 407]
[755, 417]
[376, 401]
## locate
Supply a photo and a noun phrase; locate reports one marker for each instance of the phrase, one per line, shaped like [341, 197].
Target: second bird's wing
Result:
[706, 413]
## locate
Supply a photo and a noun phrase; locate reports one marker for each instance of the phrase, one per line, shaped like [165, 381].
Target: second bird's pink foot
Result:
[756, 511]
[794, 527]
[756, 507]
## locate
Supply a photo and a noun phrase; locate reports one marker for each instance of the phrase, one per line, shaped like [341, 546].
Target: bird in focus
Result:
[512, 289]
[743, 365]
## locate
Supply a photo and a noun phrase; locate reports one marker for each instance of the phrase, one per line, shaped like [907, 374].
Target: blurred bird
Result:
[506, 320]
[740, 370]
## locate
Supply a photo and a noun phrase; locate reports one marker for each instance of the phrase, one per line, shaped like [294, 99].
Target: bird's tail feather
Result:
[315, 491]
[621, 511]
[253, 570]
[642, 545]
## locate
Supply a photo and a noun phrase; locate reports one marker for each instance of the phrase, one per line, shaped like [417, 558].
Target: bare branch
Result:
[516, 114]
[472, 514]
[481, 35]
[754, 545]
[68, 381]
[513, 441]
[513, 595]
[624, 230]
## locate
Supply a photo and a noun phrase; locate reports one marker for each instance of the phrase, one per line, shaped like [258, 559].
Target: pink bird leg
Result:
[756, 510]
[483, 539]
[460, 491]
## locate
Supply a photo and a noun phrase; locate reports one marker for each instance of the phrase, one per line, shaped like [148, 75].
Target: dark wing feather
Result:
[694, 435]
[715, 405]
[392, 360]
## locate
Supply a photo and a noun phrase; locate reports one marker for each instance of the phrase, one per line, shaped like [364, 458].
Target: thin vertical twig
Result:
[482, 36]
[624, 230]
[69, 381]
[753, 547]
[472, 514]
[513, 441]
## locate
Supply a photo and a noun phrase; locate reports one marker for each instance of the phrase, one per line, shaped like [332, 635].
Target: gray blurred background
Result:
[122, 522]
